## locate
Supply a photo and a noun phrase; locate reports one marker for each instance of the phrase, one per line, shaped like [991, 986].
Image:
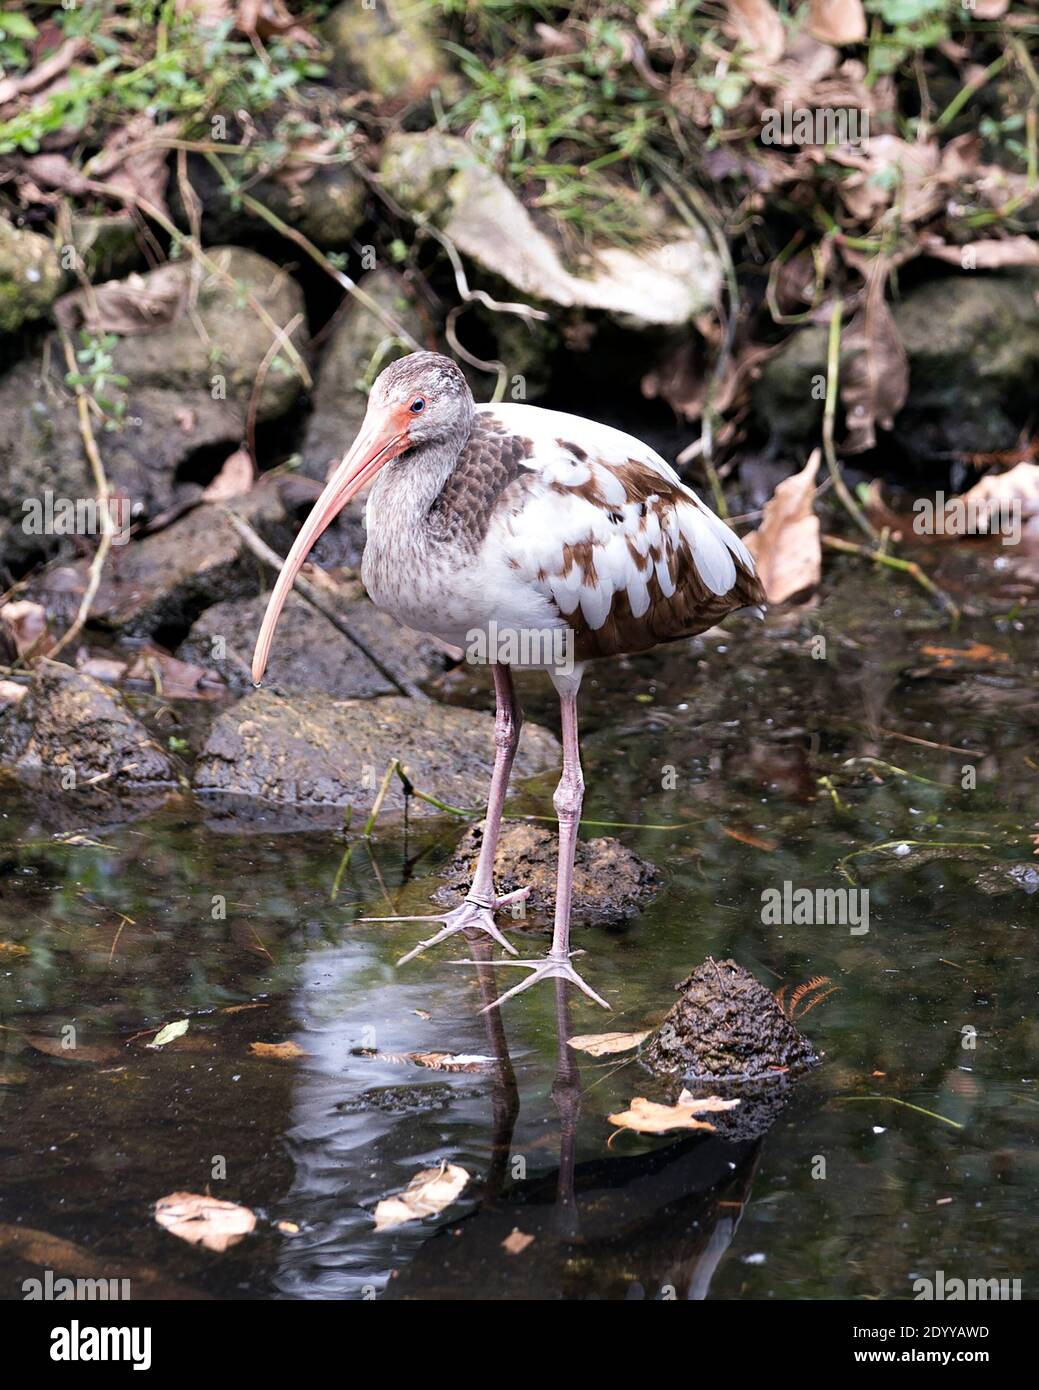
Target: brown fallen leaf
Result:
[875, 379]
[205, 1221]
[837, 21]
[991, 254]
[82, 1052]
[428, 1193]
[67, 1260]
[1019, 484]
[650, 1117]
[25, 624]
[11, 949]
[786, 545]
[175, 679]
[235, 477]
[286, 1050]
[516, 1242]
[951, 657]
[135, 159]
[745, 838]
[102, 668]
[129, 306]
[603, 1044]
[756, 24]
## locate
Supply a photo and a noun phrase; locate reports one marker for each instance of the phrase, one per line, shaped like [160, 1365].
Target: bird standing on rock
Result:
[499, 527]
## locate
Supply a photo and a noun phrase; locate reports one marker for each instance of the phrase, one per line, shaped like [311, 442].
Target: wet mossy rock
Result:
[310, 653]
[973, 348]
[312, 751]
[166, 580]
[726, 1025]
[349, 361]
[665, 283]
[185, 393]
[389, 48]
[70, 729]
[611, 883]
[31, 277]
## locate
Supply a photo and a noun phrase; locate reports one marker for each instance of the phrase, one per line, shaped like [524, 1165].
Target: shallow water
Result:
[912, 1148]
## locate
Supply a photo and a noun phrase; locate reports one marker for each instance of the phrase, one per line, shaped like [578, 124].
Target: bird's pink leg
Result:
[477, 911]
[568, 799]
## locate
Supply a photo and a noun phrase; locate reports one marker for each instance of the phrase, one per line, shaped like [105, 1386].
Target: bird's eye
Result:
[417, 405]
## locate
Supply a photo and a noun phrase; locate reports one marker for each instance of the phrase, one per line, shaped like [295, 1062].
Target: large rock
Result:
[973, 348]
[663, 284]
[30, 276]
[164, 581]
[308, 753]
[611, 883]
[389, 48]
[359, 347]
[71, 733]
[310, 654]
[186, 392]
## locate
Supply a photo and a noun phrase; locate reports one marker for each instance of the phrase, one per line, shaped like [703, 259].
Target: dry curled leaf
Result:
[837, 21]
[756, 24]
[603, 1044]
[126, 307]
[875, 377]
[235, 477]
[205, 1221]
[786, 545]
[25, 624]
[284, 1050]
[428, 1193]
[985, 255]
[650, 1117]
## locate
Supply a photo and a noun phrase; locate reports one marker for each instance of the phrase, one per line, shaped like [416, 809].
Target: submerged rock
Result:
[726, 1025]
[358, 349]
[973, 348]
[665, 283]
[311, 654]
[30, 276]
[186, 392]
[611, 883]
[311, 752]
[71, 734]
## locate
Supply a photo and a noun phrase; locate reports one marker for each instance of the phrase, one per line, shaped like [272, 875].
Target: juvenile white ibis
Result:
[509, 526]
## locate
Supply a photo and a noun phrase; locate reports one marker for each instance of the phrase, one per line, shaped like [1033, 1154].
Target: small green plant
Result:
[17, 32]
[97, 376]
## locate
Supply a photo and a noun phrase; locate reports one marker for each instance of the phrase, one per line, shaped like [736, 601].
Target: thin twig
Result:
[893, 562]
[833, 371]
[97, 467]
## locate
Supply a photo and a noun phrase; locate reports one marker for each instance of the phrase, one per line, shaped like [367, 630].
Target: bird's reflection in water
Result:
[654, 1225]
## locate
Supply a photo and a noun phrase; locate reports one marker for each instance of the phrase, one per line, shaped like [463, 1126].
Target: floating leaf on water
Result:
[286, 1050]
[169, 1033]
[516, 1243]
[650, 1117]
[428, 1193]
[206, 1221]
[82, 1052]
[603, 1044]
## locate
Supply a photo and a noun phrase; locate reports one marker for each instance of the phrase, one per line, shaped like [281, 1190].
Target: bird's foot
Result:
[545, 968]
[467, 916]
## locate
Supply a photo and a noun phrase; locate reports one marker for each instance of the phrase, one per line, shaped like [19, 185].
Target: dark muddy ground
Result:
[912, 1147]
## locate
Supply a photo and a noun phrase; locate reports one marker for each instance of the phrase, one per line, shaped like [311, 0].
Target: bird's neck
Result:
[405, 490]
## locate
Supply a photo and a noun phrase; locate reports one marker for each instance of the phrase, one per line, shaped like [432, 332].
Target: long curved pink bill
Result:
[375, 445]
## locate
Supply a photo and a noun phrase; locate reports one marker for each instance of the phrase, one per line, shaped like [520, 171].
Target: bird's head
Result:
[421, 400]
